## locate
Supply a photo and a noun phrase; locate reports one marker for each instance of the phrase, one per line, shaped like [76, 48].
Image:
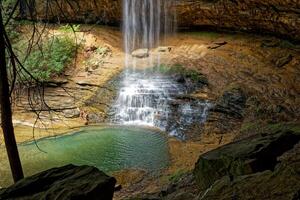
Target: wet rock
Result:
[140, 53]
[251, 155]
[56, 83]
[270, 43]
[231, 103]
[220, 42]
[227, 112]
[217, 44]
[71, 113]
[64, 183]
[164, 49]
[86, 83]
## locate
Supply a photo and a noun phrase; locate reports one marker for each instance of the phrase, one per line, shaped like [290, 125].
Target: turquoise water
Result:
[107, 148]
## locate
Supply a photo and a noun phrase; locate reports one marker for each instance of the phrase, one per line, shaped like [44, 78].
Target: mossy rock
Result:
[182, 72]
[254, 154]
[280, 184]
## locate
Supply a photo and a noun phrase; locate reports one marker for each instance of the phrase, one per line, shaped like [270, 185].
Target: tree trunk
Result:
[6, 113]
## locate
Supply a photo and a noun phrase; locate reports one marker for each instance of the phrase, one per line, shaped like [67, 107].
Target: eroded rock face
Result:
[254, 154]
[278, 17]
[64, 183]
[227, 112]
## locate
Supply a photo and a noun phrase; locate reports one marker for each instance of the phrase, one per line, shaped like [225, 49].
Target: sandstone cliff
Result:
[276, 17]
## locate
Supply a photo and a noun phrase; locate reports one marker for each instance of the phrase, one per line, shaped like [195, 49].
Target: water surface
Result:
[107, 148]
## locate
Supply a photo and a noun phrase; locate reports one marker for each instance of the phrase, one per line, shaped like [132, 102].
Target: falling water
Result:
[146, 24]
[147, 97]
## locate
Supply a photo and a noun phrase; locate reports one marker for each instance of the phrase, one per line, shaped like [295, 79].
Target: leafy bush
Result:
[49, 62]
[11, 28]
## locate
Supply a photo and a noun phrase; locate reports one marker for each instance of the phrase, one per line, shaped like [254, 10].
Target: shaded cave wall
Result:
[275, 17]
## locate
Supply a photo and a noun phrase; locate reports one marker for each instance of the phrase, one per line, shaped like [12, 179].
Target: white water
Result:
[145, 98]
[150, 99]
[145, 25]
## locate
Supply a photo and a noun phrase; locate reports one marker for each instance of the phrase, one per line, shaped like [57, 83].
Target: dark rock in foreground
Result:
[254, 154]
[65, 183]
[264, 166]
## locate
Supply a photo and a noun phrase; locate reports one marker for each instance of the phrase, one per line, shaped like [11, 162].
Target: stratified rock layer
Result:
[227, 112]
[277, 17]
[64, 183]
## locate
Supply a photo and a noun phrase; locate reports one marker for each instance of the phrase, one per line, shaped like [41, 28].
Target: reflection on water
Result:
[108, 148]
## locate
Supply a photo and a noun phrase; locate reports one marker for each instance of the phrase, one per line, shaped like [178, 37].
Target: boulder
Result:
[163, 49]
[64, 183]
[140, 53]
[217, 44]
[280, 184]
[251, 155]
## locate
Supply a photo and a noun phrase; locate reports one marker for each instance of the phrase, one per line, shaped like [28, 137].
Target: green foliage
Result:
[69, 28]
[11, 28]
[49, 62]
[103, 51]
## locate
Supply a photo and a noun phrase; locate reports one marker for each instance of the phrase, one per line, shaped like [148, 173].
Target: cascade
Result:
[145, 96]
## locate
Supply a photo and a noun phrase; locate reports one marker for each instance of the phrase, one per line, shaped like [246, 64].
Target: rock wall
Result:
[276, 17]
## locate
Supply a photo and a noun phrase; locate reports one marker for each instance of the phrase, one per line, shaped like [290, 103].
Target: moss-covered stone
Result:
[182, 72]
[254, 154]
[281, 184]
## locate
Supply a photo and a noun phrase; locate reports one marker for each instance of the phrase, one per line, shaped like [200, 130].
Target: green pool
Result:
[107, 148]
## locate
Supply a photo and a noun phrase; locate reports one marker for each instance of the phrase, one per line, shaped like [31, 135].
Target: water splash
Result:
[144, 99]
[152, 99]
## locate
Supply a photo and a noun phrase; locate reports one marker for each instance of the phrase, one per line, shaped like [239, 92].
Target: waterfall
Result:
[147, 97]
[146, 24]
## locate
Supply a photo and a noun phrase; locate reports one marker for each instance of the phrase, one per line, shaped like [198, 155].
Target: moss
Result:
[192, 74]
[176, 176]
[262, 127]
